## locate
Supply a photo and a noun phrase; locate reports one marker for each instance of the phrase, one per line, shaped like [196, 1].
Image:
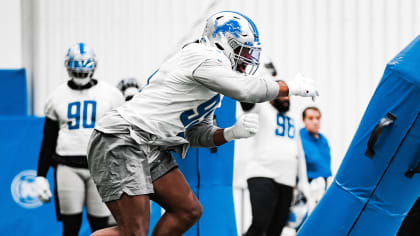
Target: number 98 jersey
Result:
[77, 111]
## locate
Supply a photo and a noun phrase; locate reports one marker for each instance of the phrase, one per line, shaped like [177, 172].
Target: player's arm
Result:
[49, 142]
[201, 134]
[205, 134]
[218, 77]
[45, 161]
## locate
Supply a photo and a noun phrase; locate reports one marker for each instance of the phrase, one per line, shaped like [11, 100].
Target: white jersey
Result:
[77, 112]
[186, 90]
[278, 151]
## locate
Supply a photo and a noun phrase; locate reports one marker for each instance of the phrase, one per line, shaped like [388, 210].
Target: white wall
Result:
[11, 35]
[343, 44]
[130, 37]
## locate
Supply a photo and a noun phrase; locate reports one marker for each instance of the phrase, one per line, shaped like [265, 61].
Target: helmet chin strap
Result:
[80, 81]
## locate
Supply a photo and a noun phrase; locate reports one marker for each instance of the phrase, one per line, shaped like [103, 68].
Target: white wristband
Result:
[228, 134]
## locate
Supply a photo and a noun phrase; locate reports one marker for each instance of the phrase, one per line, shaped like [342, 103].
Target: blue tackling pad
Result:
[13, 92]
[210, 176]
[377, 182]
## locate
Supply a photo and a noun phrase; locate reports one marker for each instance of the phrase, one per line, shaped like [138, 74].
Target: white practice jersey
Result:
[77, 112]
[187, 89]
[278, 151]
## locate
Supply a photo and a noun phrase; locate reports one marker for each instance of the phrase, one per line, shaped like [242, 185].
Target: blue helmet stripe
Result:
[254, 27]
[82, 48]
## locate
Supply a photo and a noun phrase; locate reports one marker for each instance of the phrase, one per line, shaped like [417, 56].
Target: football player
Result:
[277, 164]
[71, 113]
[129, 151]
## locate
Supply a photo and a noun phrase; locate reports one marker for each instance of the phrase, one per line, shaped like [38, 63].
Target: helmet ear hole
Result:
[219, 46]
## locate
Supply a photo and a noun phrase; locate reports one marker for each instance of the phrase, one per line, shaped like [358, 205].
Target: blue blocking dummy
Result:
[379, 179]
[209, 172]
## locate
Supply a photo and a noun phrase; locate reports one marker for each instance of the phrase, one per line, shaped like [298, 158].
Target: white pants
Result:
[75, 190]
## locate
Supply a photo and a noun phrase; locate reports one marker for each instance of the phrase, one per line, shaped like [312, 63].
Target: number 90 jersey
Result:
[77, 111]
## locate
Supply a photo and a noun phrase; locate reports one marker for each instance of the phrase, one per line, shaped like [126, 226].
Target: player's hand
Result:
[245, 127]
[317, 188]
[303, 188]
[302, 86]
[43, 189]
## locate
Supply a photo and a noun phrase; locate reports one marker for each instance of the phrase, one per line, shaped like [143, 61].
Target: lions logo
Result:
[23, 189]
[231, 26]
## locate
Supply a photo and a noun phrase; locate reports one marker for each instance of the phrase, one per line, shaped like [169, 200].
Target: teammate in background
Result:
[278, 161]
[317, 152]
[129, 87]
[129, 151]
[71, 112]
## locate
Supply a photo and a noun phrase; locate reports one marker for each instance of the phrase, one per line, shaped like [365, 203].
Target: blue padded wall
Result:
[372, 194]
[24, 214]
[215, 183]
[210, 176]
[13, 95]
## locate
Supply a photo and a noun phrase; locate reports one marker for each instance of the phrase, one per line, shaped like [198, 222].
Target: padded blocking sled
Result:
[379, 179]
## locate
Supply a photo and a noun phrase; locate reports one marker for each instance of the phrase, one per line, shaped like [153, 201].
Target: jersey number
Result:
[285, 123]
[190, 117]
[88, 117]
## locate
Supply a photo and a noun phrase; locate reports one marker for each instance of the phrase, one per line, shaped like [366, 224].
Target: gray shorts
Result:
[118, 164]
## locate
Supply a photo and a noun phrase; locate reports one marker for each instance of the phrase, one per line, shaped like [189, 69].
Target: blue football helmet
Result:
[237, 36]
[80, 61]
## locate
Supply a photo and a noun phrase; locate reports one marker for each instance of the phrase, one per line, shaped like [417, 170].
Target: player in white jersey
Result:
[129, 151]
[278, 161]
[71, 113]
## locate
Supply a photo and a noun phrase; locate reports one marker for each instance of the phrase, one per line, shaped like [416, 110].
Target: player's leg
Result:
[96, 223]
[71, 194]
[121, 173]
[281, 212]
[132, 214]
[97, 213]
[182, 208]
[263, 195]
[71, 224]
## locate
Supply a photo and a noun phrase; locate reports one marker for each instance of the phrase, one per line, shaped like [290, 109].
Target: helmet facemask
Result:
[245, 59]
[81, 69]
